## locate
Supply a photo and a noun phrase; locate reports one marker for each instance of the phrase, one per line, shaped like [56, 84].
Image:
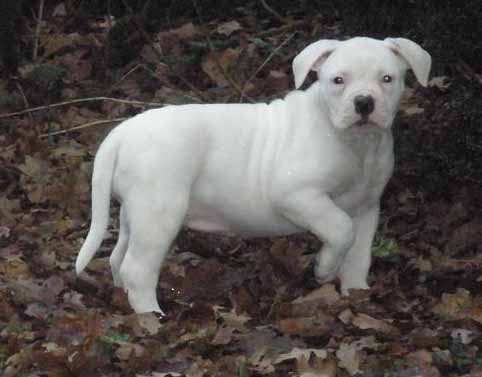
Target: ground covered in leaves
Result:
[235, 307]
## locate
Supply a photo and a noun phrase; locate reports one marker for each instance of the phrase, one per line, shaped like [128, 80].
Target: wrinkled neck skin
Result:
[331, 160]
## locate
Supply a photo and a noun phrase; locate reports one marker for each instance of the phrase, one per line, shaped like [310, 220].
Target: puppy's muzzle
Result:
[364, 105]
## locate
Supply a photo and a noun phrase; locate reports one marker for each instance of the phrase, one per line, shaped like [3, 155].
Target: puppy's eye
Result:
[387, 78]
[338, 80]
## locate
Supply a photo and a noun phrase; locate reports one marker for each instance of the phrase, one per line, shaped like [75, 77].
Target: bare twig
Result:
[278, 16]
[130, 72]
[24, 97]
[280, 30]
[37, 30]
[160, 56]
[266, 61]
[82, 126]
[80, 100]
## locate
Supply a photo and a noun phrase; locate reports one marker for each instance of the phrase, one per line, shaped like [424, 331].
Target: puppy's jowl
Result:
[317, 160]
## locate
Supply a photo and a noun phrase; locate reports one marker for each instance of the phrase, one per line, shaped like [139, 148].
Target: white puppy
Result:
[317, 160]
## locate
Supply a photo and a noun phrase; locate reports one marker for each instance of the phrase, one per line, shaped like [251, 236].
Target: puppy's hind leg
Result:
[153, 225]
[120, 249]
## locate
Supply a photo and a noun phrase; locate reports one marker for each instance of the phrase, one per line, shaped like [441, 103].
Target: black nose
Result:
[364, 105]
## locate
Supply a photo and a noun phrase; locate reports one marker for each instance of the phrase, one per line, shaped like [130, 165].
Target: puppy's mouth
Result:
[366, 122]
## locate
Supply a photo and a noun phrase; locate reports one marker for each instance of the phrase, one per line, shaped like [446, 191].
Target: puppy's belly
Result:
[235, 219]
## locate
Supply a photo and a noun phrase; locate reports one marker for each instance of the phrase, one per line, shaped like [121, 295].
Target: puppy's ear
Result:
[311, 58]
[415, 56]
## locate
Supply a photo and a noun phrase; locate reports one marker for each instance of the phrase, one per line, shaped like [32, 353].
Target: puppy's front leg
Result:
[354, 270]
[315, 211]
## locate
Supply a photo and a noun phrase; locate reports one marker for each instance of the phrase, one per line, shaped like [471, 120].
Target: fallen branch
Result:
[82, 126]
[80, 100]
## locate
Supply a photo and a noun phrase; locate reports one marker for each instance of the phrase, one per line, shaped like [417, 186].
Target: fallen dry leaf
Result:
[465, 236]
[187, 31]
[223, 336]
[349, 358]
[365, 322]
[413, 110]
[298, 353]
[213, 65]
[306, 326]
[128, 350]
[144, 324]
[53, 43]
[316, 367]
[231, 318]
[440, 82]
[14, 267]
[459, 305]
[228, 28]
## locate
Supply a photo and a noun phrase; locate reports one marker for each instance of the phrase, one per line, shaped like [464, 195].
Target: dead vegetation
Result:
[235, 307]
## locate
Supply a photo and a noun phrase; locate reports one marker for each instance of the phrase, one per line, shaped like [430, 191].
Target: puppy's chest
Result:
[368, 164]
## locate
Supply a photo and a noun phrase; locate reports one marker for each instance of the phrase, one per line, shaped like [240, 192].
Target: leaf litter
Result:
[249, 308]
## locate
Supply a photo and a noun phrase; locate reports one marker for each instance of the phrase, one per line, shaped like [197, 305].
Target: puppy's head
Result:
[361, 80]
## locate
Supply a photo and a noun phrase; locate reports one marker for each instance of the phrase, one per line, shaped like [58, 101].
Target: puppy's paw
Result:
[327, 266]
[117, 280]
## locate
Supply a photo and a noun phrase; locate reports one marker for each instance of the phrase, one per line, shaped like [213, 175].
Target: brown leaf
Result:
[223, 336]
[365, 322]
[349, 357]
[17, 362]
[299, 353]
[228, 28]
[242, 300]
[413, 110]
[346, 316]
[7, 311]
[232, 319]
[79, 67]
[316, 367]
[277, 82]
[129, 350]
[460, 305]
[290, 255]
[306, 326]
[144, 324]
[324, 299]
[14, 267]
[187, 31]
[440, 82]
[213, 65]
[8, 208]
[55, 42]
[34, 168]
[465, 236]
[37, 310]
[266, 343]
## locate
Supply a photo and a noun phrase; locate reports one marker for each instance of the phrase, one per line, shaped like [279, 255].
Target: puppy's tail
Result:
[104, 165]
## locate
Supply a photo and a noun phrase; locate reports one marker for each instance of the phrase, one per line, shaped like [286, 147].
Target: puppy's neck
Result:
[364, 142]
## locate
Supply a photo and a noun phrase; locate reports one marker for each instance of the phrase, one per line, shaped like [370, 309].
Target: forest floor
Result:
[234, 307]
